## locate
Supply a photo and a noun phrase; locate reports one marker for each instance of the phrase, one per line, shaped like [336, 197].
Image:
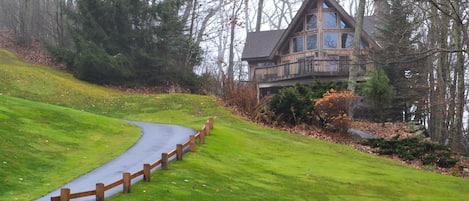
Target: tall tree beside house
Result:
[353, 71]
[397, 55]
[447, 91]
[129, 42]
[260, 8]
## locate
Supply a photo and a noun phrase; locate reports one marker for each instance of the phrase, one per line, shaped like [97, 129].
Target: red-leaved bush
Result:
[334, 109]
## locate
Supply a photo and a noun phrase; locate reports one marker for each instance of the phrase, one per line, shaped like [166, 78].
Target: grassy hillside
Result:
[44, 84]
[44, 146]
[241, 161]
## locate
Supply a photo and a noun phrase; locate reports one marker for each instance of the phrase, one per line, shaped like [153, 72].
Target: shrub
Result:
[291, 105]
[414, 149]
[241, 95]
[333, 109]
[294, 105]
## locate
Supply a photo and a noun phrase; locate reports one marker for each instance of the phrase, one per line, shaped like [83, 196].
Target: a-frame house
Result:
[317, 45]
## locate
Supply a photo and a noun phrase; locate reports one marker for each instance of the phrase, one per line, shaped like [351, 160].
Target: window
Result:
[346, 40]
[344, 25]
[330, 20]
[311, 22]
[312, 42]
[330, 40]
[298, 45]
[265, 64]
[299, 28]
[325, 5]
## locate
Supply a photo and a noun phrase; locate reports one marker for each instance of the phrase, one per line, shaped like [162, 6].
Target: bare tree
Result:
[234, 20]
[354, 68]
[24, 17]
[260, 8]
[448, 99]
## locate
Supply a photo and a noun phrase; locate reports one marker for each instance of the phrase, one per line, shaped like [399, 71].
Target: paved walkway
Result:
[156, 139]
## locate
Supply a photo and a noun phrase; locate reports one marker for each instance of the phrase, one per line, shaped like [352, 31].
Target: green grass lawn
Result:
[43, 146]
[240, 161]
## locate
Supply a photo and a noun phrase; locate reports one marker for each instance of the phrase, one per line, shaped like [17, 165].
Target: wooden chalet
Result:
[317, 45]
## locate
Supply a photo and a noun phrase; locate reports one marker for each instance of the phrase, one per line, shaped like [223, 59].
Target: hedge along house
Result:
[317, 45]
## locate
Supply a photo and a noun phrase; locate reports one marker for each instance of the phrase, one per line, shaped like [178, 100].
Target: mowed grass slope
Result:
[242, 161]
[47, 85]
[43, 146]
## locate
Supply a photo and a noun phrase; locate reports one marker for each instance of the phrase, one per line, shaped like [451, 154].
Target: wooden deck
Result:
[320, 69]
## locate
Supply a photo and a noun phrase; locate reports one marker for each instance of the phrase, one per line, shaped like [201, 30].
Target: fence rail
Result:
[126, 181]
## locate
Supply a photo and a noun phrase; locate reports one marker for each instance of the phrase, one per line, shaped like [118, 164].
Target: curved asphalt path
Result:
[155, 139]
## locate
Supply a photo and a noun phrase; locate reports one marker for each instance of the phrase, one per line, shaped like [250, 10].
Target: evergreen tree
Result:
[129, 42]
[378, 89]
[398, 57]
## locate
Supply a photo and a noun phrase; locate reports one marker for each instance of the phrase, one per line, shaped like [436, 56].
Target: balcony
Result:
[306, 68]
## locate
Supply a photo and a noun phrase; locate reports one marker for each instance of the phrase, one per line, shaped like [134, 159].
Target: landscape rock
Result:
[359, 135]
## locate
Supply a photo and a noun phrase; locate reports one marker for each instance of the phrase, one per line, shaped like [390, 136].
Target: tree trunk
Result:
[457, 130]
[260, 9]
[233, 23]
[23, 33]
[354, 67]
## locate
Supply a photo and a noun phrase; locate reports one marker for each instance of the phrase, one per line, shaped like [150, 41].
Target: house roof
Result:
[261, 44]
[369, 25]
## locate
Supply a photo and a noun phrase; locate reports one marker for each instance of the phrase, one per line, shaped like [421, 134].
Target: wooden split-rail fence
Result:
[126, 181]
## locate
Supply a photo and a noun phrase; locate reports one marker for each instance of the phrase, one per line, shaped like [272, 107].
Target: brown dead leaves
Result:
[36, 54]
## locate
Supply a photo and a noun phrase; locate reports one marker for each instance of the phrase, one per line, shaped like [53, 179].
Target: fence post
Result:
[164, 161]
[99, 192]
[210, 119]
[146, 172]
[127, 182]
[202, 136]
[207, 127]
[192, 143]
[179, 152]
[65, 194]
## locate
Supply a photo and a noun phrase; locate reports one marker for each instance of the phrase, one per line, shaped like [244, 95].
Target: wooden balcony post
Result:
[164, 161]
[192, 147]
[99, 192]
[179, 152]
[146, 172]
[127, 182]
[65, 194]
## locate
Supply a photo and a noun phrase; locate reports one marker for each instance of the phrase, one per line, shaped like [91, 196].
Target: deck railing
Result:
[305, 68]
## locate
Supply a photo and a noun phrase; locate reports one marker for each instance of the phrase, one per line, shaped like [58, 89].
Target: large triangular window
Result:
[329, 20]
